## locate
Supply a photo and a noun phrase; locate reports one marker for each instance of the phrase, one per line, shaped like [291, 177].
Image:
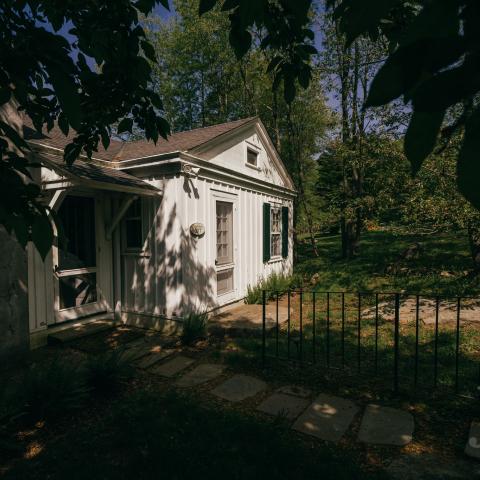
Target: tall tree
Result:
[349, 71]
[204, 83]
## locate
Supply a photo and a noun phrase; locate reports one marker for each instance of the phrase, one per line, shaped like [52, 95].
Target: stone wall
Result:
[14, 331]
[14, 327]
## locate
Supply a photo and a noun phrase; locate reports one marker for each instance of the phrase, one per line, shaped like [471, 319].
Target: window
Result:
[252, 156]
[275, 232]
[78, 290]
[77, 215]
[133, 226]
[224, 281]
[224, 233]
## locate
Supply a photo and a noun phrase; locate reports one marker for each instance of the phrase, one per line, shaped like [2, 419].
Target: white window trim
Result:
[254, 148]
[275, 258]
[222, 196]
[142, 251]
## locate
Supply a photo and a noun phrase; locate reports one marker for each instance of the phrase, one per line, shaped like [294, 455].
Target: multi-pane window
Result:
[276, 232]
[252, 156]
[224, 233]
[133, 226]
[224, 281]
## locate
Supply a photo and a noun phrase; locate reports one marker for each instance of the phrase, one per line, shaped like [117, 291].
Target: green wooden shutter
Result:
[266, 232]
[284, 232]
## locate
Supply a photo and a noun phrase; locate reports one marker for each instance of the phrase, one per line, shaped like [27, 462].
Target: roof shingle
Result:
[119, 151]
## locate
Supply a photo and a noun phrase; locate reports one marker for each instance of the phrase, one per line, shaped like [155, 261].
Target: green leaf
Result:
[205, 6]
[421, 136]
[289, 89]
[42, 234]
[13, 136]
[63, 124]
[66, 91]
[436, 19]
[149, 51]
[5, 94]
[125, 125]
[146, 6]
[397, 75]
[71, 152]
[468, 166]
[358, 18]
[105, 138]
[241, 41]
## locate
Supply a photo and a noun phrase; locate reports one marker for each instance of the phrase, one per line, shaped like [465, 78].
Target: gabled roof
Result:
[119, 151]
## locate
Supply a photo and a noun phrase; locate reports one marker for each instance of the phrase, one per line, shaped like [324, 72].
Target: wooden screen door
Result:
[224, 262]
[75, 260]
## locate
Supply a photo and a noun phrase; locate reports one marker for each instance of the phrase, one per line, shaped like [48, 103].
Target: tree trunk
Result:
[474, 240]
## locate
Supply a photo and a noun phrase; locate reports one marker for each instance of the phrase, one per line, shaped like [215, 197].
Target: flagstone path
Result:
[328, 417]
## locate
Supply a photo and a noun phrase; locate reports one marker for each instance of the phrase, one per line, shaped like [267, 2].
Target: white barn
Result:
[156, 231]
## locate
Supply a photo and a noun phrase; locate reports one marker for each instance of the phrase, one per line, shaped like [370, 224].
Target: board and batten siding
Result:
[199, 258]
[175, 272]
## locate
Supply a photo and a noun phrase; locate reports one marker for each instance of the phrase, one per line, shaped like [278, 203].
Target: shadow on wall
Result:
[167, 278]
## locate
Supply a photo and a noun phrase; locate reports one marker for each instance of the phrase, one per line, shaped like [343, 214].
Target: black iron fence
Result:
[408, 341]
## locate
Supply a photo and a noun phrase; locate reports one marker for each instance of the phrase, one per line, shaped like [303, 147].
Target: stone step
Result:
[239, 387]
[327, 418]
[172, 367]
[386, 426]
[154, 357]
[282, 404]
[77, 331]
[201, 374]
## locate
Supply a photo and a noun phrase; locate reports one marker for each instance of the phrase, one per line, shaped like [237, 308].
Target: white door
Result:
[75, 261]
[225, 249]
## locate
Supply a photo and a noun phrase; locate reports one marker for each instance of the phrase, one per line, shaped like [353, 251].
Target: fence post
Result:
[396, 342]
[301, 326]
[264, 318]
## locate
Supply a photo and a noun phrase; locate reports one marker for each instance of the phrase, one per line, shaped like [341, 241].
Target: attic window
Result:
[252, 157]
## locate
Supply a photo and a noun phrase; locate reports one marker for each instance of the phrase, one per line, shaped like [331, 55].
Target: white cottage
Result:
[156, 231]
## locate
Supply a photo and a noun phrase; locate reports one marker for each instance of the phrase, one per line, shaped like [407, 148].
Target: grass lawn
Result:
[149, 434]
[442, 268]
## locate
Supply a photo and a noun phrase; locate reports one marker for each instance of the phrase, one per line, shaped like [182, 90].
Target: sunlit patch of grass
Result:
[442, 267]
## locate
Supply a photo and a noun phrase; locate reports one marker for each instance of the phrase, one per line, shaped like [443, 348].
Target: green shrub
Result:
[105, 373]
[194, 327]
[49, 391]
[272, 284]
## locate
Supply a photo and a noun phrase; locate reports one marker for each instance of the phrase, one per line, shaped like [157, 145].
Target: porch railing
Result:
[409, 341]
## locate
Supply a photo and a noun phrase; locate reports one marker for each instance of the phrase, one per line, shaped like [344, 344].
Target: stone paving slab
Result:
[282, 404]
[142, 350]
[154, 357]
[386, 426]
[295, 391]
[239, 387]
[172, 367]
[327, 418]
[201, 374]
[472, 448]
